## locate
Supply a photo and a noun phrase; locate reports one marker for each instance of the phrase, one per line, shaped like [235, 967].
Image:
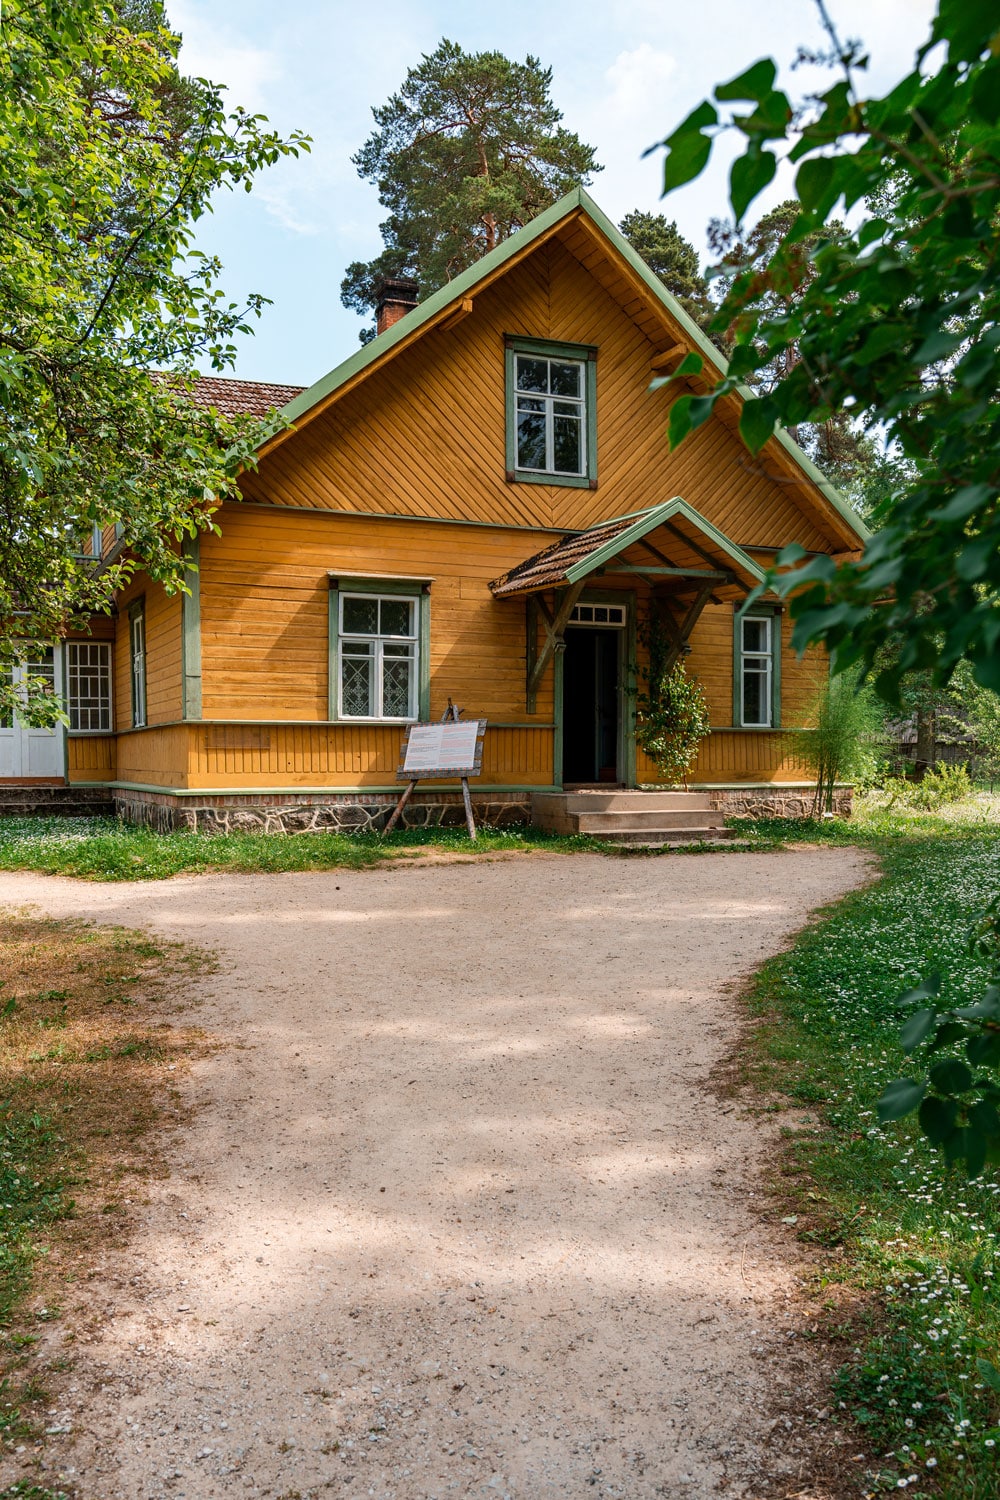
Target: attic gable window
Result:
[551, 413]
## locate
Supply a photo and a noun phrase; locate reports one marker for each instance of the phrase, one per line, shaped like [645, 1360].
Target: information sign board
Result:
[446, 749]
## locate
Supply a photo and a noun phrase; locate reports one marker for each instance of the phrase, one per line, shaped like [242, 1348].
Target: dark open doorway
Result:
[591, 705]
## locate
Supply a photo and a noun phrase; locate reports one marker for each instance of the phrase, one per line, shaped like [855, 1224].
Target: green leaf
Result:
[937, 1118]
[750, 175]
[986, 95]
[989, 1374]
[814, 179]
[950, 1076]
[963, 504]
[680, 420]
[757, 422]
[688, 149]
[976, 1146]
[884, 339]
[756, 83]
[968, 26]
[984, 1051]
[691, 364]
[900, 1098]
[917, 1029]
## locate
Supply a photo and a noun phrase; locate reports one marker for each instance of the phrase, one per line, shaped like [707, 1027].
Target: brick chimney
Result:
[396, 296]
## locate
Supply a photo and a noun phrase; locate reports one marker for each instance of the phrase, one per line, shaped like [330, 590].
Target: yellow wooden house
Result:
[479, 506]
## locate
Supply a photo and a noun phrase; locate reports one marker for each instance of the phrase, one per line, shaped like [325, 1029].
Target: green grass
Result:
[916, 1246]
[105, 849]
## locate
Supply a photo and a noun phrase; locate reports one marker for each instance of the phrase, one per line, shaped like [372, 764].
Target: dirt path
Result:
[460, 1215]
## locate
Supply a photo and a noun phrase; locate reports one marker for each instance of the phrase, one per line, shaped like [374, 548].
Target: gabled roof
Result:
[239, 398]
[705, 554]
[446, 304]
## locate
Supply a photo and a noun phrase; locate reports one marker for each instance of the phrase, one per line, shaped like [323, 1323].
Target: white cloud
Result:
[638, 79]
[210, 51]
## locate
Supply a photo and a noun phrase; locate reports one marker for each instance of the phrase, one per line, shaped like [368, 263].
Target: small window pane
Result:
[600, 614]
[755, 635]
[532, 374]
[396, 686]
[530, 441]
[356, 680]
[754, 699]
[566, 445]
[396, 617]
[565, 379]
[360, 616]
[530, 403]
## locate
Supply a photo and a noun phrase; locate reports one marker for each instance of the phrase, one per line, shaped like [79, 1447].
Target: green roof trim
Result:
[426, 312]
[438, 302]
[647, 521]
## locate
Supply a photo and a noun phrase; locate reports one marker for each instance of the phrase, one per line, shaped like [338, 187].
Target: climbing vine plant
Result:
[671, 709]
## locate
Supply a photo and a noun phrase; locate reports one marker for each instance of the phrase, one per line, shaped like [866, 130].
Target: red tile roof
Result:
[237, 398]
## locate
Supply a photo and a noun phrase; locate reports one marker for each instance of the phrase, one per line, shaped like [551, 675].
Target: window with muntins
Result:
[378, 650]
[137, 661]
[757, 636]
[88, 685]
[551, 415]
[551, 412]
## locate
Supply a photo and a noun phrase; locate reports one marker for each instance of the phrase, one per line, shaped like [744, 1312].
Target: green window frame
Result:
[757, 667]
[551, 410]
[137, 660]
[383, 644]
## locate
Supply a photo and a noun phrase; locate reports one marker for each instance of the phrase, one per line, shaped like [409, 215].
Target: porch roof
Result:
[689, 551]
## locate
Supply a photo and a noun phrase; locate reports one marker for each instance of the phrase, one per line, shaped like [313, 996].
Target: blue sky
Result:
[624, 73]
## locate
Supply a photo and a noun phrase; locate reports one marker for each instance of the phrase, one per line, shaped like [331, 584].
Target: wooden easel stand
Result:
[450, 713]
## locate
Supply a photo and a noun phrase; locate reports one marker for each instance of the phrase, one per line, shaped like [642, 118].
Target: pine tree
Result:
[671, 257]
[466, 153]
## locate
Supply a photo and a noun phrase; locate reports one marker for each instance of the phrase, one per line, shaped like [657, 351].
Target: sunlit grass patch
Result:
[918, 1247]
[106, 849]
[88, 1076]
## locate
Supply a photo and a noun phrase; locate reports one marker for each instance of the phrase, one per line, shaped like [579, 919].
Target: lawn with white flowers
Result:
[915, 1245]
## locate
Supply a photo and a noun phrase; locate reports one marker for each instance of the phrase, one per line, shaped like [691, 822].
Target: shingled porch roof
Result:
[688, 551]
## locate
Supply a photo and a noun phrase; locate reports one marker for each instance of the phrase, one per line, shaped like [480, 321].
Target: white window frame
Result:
[549, 403]
[763, 667]
[99, 666]
[379, 641]
[602, 616]
[137, 661]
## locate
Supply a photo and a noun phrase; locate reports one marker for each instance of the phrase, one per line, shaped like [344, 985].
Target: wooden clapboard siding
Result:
[734, 755]
[154, 757]
[424, 436]
[163, 654]
[264, 610]
[91, 757]
[262, 757]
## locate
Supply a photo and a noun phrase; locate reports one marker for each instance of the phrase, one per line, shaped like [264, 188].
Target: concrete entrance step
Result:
[666, 820]
[642, 839]
[629, 801]
[650, 819]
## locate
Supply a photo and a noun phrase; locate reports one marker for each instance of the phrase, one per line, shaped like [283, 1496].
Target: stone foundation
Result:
[775, 801]
[315, 812]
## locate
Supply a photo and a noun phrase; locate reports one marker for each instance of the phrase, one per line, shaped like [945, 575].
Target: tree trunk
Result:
[926, 753]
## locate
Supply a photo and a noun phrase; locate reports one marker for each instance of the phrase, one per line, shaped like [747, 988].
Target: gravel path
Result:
[460, 1213]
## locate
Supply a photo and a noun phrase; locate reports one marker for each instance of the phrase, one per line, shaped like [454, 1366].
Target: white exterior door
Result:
[35, 754]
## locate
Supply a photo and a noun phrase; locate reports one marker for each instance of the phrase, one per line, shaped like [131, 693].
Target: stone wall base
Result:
[315, 813]
[775, 801]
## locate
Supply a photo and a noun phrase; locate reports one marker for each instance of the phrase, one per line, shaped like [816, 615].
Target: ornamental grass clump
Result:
[671, 710]
[839, 743]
